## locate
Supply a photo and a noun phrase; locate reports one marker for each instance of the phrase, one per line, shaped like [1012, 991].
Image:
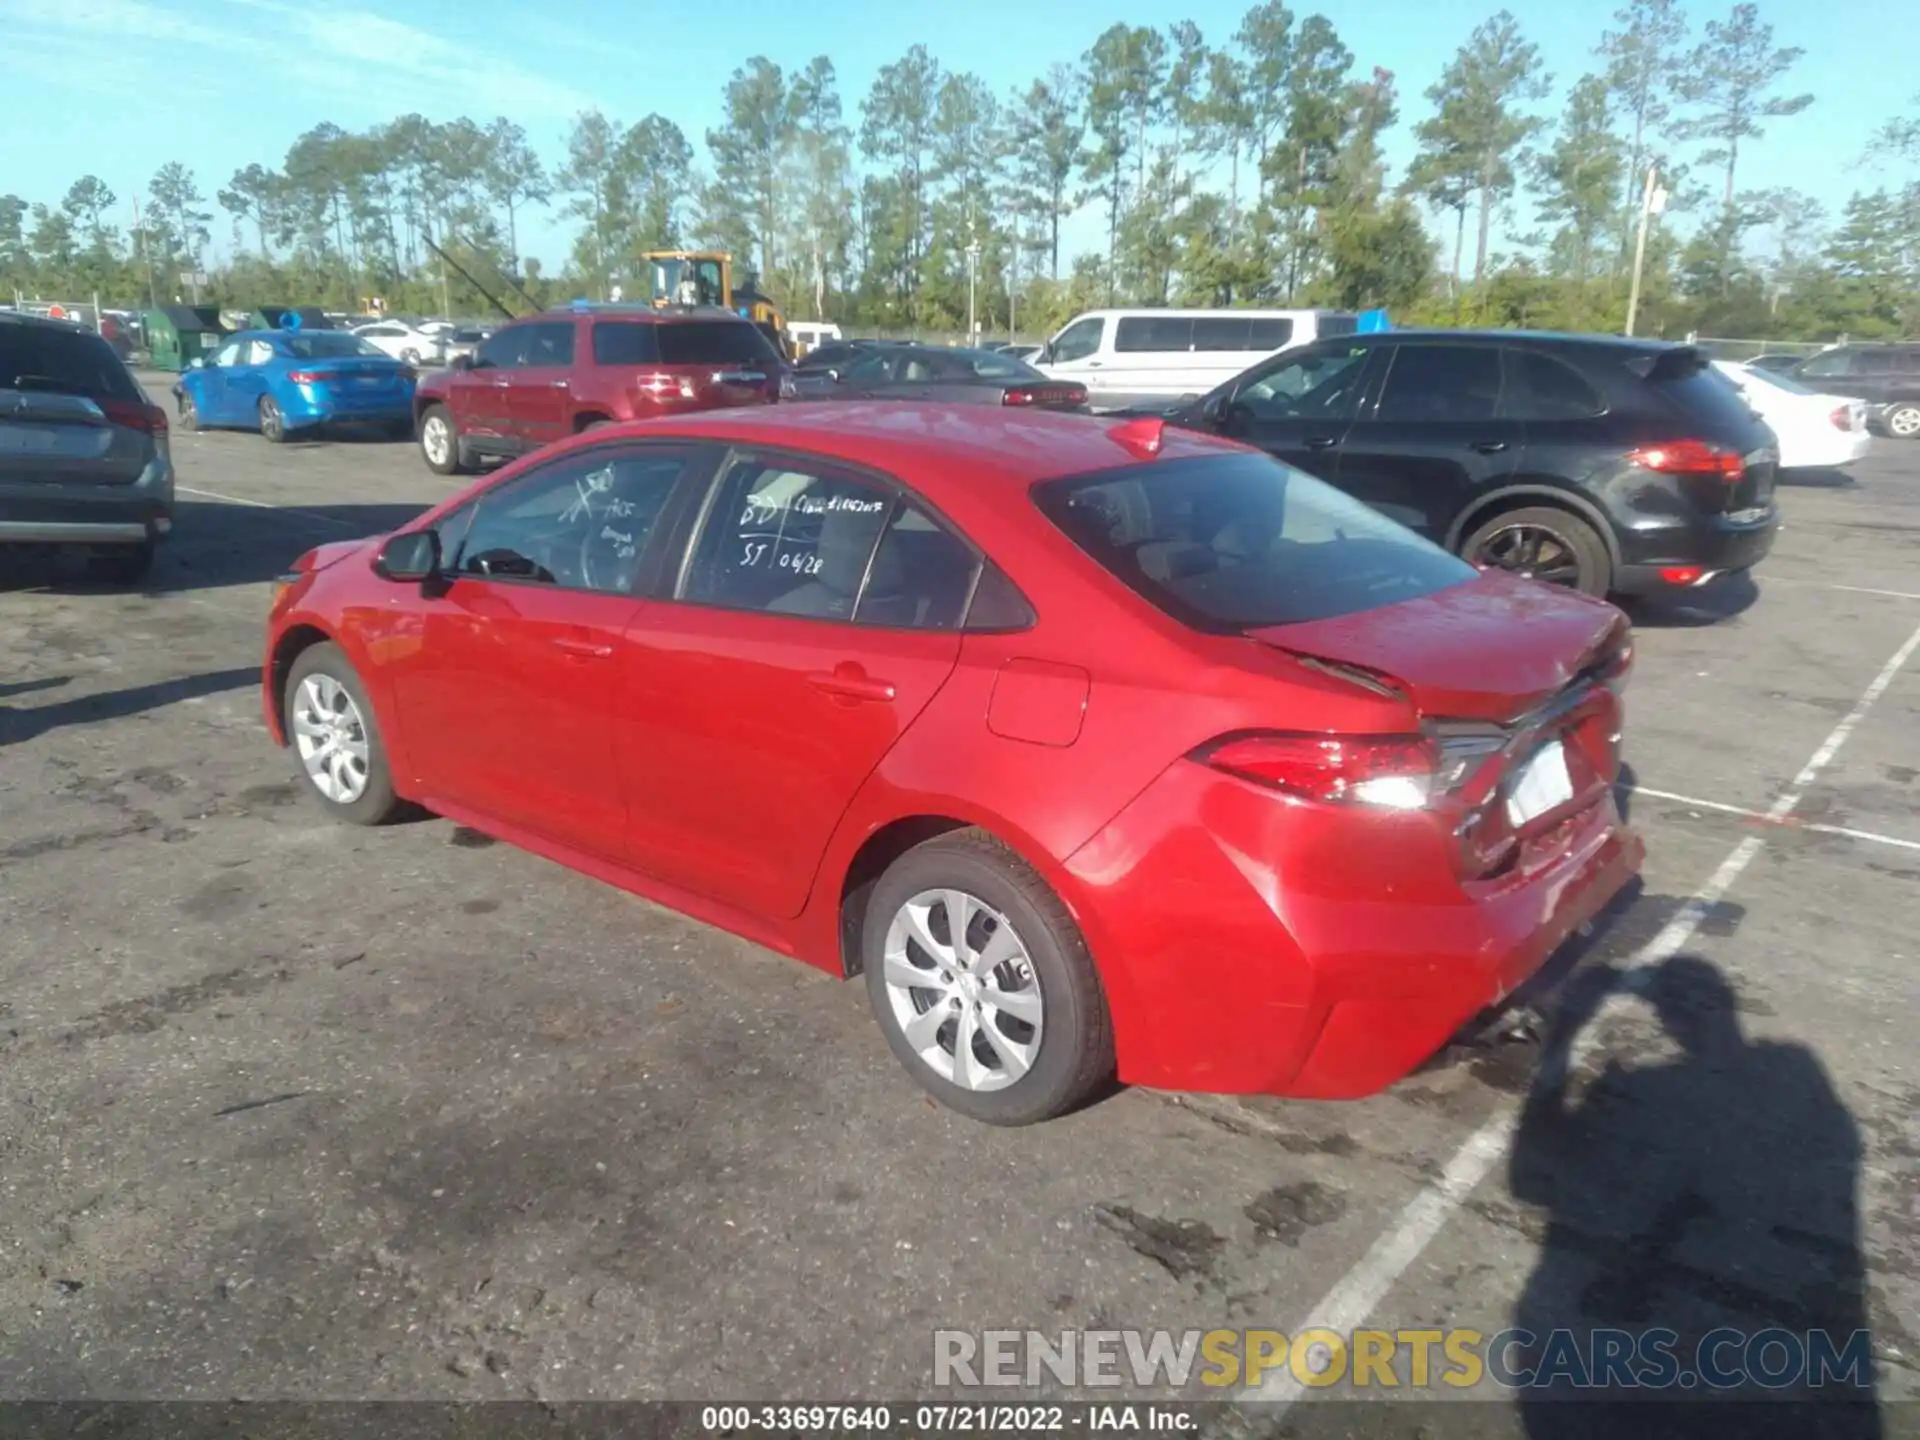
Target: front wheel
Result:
[273, 424]
[330, 725]
[440, 442]
[982, 983]
[1545, 544]
[1903, 422]
[189, 412]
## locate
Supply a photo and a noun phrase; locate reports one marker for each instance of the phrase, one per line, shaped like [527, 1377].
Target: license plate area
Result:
[1542, 783]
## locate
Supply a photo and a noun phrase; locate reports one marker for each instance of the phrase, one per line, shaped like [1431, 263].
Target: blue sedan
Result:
[282, 381]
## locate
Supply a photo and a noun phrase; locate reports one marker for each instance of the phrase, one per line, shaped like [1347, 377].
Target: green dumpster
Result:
[274, 317]
[177, 335]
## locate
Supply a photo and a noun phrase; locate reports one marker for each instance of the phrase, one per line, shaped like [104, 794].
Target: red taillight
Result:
[312, 377]
[1682, 575]
[663, 385]
[135, 415]
[1690, 457]
[1392, 771]
[1842, 418]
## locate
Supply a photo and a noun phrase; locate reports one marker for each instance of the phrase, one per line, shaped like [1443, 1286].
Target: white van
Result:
[1134, 357]
[810, 335]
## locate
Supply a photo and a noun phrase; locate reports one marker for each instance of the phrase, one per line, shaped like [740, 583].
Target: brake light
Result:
[1690, 457]
[312, 377]
[1394, 772]
[135, 415]
[662, 385]
[1842, 418]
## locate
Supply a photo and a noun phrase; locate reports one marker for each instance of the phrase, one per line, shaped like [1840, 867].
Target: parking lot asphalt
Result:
[294, 1110]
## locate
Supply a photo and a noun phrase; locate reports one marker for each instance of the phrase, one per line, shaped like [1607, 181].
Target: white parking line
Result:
[313, 515]
[1346, 1307]
[1850, 589]
[1762, 816]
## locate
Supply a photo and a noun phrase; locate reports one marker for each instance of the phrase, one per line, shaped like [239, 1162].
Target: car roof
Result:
[991, 446]
[1626, 345]
[595, 311]
[45, 322]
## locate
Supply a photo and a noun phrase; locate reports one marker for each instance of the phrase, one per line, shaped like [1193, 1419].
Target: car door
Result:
[872, 376]
[817, 614]
[247, 381]
[1075, 354]
[539, 402]
[1297, 407]
[1436, 436]
[477, 395]
[210, 383]
[508, 699]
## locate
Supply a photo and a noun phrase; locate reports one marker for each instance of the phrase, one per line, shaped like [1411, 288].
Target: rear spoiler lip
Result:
[1674, 363]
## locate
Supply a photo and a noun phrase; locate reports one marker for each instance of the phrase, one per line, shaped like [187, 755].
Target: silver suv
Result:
[83, 453]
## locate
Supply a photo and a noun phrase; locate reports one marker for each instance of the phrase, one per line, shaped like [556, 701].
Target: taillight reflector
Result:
[1842, 418]
[1394, 772]
[135, 415]
[663, 385]
[1690, 457]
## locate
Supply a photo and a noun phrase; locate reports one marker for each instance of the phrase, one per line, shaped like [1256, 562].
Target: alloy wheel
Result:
[331, 736]
[1905, 422]
[271, 424]
[436, 438]
[1531, 551]
[962, 989]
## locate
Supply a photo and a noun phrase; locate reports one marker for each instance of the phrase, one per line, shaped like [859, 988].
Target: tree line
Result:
[1238, 170]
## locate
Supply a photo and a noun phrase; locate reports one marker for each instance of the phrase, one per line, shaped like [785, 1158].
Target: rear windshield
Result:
[682, 342]
[67, 362]
[1706, 397]
[625, 344]
[1231, 542]
[967, 365]
[325, 345]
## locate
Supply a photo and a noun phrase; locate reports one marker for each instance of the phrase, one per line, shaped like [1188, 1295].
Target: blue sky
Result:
[89, 85]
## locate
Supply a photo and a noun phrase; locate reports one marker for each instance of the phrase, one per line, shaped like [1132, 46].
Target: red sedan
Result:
[1097, 749]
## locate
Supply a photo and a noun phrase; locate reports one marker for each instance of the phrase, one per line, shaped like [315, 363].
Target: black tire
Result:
[1902, 421]
[376, 804]
[1075, 1055]
[127, 565]
[189, 413]
[273, 425]
[453, 459]
[1574, 555]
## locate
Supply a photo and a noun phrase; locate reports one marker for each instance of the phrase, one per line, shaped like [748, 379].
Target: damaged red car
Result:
[1097, 750]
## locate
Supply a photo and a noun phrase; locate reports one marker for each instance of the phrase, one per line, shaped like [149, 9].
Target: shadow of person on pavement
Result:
[1713, 1187]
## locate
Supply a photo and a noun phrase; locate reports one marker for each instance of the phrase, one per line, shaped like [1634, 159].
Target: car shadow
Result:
[1684, 609]
[1816, 477]
[1699, 1232]
[1623, 788]
[21, 723]
[215, 544]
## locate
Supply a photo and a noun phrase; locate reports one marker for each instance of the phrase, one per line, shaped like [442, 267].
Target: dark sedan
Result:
[930, 372]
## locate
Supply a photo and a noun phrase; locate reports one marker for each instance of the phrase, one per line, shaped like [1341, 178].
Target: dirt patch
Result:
[1287, 1212]
[1183, 1248]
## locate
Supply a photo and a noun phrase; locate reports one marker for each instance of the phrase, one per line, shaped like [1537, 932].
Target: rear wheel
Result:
[1542, 543]
[982, 983]
[1903, 422]
[273, 424]
[330, 726]
[440, 442]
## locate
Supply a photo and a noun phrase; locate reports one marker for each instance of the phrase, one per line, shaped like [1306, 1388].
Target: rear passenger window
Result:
[1153, 333]
[629, 343]
[921, 575]
[787, 541]
[1429, 383]
[1548, 389]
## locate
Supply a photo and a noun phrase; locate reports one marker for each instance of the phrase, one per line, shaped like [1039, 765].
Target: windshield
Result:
[324, 345]
[987, 365]
[1234, 541]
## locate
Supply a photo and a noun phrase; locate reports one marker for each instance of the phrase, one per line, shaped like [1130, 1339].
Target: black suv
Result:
[1612, 466]
[84, 461]
[1887, 377]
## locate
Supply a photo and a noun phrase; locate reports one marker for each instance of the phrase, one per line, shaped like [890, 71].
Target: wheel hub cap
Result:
[961, 988]
[331, 737]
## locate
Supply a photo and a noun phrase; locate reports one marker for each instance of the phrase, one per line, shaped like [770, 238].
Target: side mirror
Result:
[410, 555]
[834, 376]
[460, 362]
[198, 362]
[1214, 408]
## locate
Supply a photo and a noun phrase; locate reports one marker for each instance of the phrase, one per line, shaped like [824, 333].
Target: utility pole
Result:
[973, 274]
[1652, 201]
